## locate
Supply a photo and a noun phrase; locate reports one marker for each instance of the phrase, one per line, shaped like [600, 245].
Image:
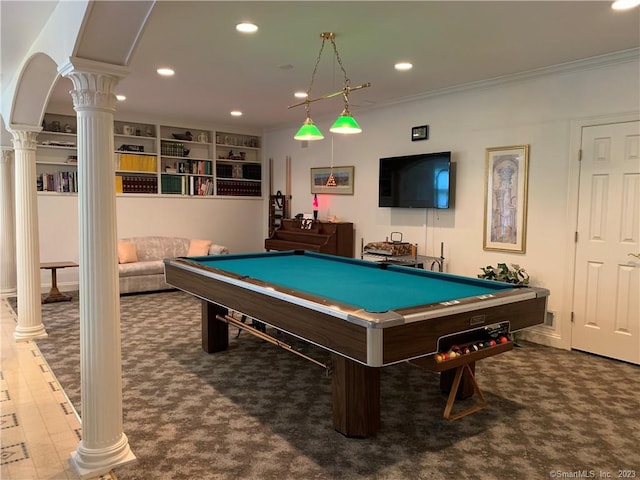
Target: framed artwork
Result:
[342, 183]
[505, 198]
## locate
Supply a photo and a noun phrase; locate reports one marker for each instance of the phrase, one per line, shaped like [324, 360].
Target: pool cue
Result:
[287, 190]
[268, 338]
[271, 176]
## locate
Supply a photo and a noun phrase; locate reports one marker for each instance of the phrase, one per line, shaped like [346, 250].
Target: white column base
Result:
[8, 292]
[91, 463]
[25, 334]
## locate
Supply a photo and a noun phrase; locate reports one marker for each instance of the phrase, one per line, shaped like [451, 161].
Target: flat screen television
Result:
[415, 181]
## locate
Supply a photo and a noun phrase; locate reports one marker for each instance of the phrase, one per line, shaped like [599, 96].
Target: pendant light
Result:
[345, 123]
[308, 131]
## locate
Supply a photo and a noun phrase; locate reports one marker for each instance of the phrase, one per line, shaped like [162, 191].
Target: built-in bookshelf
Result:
[186, 162]
[238, 165]
[136, 157]
[156, 160]
[57, 155]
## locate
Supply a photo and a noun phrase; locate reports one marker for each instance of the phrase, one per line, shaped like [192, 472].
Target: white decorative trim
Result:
[93, 82]
[25, 139]
[77, 64]
[543, 337]
[93, 462]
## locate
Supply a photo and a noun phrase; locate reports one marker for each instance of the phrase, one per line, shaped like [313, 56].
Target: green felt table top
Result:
[354, 282]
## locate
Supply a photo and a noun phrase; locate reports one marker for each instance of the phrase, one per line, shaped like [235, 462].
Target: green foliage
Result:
[502, 273]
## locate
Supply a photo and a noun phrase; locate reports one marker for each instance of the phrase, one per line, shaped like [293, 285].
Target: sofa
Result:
[140, 259]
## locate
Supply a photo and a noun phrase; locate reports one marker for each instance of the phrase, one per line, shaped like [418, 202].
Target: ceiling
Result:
[450, 43]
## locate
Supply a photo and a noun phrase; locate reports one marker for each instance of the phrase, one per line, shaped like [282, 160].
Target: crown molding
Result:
[620, 57]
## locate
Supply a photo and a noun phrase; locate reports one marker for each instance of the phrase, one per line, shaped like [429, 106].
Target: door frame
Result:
[564, 329]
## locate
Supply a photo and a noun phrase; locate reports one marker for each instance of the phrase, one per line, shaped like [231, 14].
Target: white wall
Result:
[238, 224]
[535, 110]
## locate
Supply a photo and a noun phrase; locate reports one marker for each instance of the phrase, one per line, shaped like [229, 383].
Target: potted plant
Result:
[503, 273]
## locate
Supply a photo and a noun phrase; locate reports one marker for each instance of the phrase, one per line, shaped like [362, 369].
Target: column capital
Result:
[93, 82]
[24, 137]
[7, 155]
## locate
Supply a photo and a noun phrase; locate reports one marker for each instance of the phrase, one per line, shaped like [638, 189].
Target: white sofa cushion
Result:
[150, 267]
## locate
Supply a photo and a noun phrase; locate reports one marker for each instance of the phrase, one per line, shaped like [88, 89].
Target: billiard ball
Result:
[504, 339]
[474, 348]
[438, 357]
[492, 342]
[445, 356]
[466, 350]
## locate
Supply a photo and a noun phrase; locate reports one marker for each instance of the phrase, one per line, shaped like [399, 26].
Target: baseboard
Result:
[545, 337]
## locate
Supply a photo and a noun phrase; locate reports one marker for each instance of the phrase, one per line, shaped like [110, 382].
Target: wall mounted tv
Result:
[415, 181]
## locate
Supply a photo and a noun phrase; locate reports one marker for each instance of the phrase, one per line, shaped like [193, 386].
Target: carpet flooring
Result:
[259, 412]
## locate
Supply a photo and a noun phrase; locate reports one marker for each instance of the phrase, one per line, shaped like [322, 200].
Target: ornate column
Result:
[104, 444]
[27, 240]
[7, 226]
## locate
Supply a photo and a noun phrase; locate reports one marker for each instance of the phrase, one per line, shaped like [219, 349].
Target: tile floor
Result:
[40, 428]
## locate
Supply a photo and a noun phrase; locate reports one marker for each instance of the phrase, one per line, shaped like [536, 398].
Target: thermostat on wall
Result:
[420, 133]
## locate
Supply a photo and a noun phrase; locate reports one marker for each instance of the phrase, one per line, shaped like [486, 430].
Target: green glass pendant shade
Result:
[308, 131]
[345, 123]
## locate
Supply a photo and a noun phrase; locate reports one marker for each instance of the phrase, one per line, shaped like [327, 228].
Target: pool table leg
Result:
[215, 334]
[466, 388]
[355, 396]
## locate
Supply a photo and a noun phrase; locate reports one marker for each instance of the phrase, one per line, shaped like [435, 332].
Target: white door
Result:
[607, 279]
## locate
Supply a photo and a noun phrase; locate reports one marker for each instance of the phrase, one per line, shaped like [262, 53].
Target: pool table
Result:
[366, 314]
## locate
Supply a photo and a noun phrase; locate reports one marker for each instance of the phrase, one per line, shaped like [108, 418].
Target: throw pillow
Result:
[127, 252]
[198, 248]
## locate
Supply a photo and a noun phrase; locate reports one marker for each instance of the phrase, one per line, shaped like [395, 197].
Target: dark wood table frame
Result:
[54, 294]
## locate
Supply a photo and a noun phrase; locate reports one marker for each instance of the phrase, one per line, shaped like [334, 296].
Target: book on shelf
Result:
[136, 184]
[172, 184]
[251, 171]
[135, 163]
[61, 182]
[186, 185]
[240, 188]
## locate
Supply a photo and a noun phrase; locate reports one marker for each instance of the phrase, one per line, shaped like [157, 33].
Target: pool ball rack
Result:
[455, 360]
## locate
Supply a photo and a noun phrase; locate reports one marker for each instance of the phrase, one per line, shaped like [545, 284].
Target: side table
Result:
[54, 294]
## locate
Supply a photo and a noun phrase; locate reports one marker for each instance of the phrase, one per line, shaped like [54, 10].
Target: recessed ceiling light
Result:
[624, 4]
[165, 72]
[236, 113]
[247, 27]
[121, 98]
[403, 66]
[300, 95]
